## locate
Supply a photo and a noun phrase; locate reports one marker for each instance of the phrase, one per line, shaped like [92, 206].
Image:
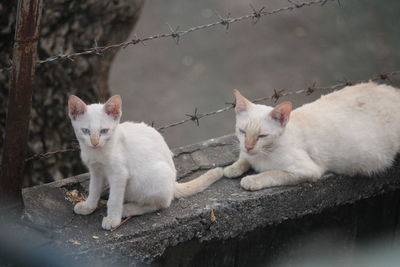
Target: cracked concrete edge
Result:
[230, 222]
[236, 211]
[237, 218]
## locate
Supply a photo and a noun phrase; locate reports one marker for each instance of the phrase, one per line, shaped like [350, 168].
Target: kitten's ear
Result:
[113, 106]
[281, 113]
[76, 107]
[242, 103]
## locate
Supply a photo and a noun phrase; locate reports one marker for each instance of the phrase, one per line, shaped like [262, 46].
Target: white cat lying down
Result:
[132, 157]
[350, 131]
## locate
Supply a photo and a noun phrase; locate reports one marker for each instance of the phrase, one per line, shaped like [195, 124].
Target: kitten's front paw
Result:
[110, 222]
[83, 208]
[251, 183]
[232, 171]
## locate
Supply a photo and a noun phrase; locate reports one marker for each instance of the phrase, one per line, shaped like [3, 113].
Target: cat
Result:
[355, 130]
[132, 157]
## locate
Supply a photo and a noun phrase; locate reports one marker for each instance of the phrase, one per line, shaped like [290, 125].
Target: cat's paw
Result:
[232, 171]
[83, 208]
[251, 183]
[110, 222]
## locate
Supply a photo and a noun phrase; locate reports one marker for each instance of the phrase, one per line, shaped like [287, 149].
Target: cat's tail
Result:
[198, 184]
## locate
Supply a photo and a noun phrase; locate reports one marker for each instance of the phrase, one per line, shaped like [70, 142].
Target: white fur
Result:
[136, 162]
[350, 131]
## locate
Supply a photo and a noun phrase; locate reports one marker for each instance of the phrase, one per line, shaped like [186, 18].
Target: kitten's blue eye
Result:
[262, 135]
[242, 131]
[103, 131]
[85, 131]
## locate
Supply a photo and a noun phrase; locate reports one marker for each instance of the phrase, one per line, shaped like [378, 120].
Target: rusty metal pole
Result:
[19, 102]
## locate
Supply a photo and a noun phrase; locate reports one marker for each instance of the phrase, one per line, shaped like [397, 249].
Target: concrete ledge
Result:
[222, 211]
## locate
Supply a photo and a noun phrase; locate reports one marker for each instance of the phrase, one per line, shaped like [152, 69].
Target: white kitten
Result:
[350, 131]
[132, 157]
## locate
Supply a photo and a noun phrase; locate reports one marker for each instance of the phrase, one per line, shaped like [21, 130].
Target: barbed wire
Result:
[176, 34]
[52, 153]
[195, 117]
[277, 94]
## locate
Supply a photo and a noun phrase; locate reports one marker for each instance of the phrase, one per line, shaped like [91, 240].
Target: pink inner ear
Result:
[112, 110]
[76, 107]
[242, 103]
[113, 106]
[282, 112]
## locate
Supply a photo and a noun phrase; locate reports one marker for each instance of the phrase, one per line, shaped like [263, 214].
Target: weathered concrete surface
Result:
[236, 211]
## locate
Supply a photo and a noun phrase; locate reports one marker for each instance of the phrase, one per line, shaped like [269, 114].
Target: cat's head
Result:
[94, 124]
[259, 127]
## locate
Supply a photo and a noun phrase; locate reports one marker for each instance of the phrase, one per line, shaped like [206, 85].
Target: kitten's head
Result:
[258, 127]
[94, 124]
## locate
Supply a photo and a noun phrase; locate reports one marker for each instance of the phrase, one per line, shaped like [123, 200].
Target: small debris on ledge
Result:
[74, 196]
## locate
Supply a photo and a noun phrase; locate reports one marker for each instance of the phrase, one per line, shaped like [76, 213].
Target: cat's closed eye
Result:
[103, 131]
[262, 136]
[85, 131]
[242, 131]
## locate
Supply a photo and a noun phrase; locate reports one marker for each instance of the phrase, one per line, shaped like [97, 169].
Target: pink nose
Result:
[94, 139]
[249, 147]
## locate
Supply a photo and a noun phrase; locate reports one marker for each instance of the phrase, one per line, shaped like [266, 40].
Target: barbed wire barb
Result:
[311, 89]
[175, 34]
[224, 21]
[138, 40]
[195, 117]
[97, 49]
[277, 94]
[256, 14]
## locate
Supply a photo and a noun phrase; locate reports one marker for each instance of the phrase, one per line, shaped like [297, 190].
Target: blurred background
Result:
[162, 81]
